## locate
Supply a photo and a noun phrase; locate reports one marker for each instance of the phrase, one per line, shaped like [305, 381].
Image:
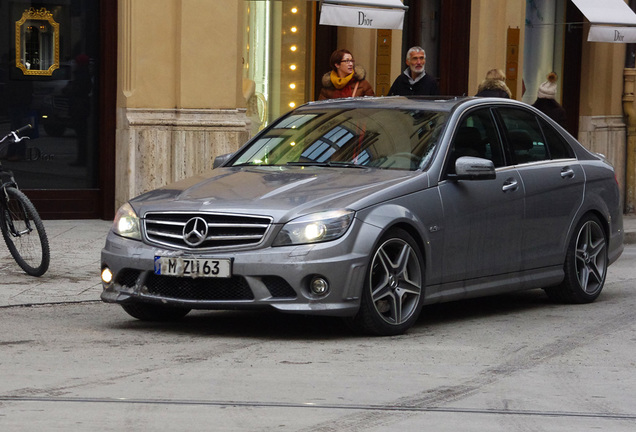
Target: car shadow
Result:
[281, 326]
[483, 307]
[248, 323]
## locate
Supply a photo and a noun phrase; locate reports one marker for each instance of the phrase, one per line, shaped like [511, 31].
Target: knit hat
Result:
[547, 89]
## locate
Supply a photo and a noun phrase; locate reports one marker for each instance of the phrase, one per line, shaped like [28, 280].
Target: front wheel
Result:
[585, 264]
[23, 232]
[393, 290]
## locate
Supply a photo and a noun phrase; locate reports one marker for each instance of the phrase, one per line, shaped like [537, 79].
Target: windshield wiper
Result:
[328, 164]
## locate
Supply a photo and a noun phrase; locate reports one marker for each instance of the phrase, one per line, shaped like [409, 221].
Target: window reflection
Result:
[381, 138]
[61, 105]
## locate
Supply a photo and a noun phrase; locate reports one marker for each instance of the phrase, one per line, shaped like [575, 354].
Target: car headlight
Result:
[126, 223]
[315, 228]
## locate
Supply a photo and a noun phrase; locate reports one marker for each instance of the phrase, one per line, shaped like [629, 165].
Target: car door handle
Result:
[510, 185]
[567, 172]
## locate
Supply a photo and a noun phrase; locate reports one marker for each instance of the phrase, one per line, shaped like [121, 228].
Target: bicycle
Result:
[21, 226]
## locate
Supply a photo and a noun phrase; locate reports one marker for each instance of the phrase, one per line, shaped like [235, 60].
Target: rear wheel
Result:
[393, 291]
[154, 312]
[23, 232]
[585, 264]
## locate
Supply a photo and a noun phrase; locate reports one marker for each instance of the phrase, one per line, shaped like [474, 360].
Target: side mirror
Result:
[220, 160]
[474, 168]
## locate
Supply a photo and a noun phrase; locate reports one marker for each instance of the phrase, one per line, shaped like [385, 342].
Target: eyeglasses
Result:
[347, 61]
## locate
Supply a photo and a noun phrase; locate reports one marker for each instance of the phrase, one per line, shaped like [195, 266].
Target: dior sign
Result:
[346, 15]
[363, 20]
[599, 33]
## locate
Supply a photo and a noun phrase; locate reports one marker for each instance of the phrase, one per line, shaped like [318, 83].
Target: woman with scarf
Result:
[345, 79]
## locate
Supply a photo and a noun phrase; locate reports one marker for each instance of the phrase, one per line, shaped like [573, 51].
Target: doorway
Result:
[67, 165]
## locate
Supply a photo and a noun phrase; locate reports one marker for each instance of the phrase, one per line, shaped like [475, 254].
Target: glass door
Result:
[60, 166]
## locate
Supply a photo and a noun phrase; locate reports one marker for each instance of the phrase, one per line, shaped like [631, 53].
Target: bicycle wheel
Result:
[23, 232]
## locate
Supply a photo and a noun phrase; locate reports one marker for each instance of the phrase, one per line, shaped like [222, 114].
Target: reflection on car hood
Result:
[275, 191]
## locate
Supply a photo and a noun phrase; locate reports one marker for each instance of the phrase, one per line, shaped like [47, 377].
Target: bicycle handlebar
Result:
[14, 134]
[24, 129]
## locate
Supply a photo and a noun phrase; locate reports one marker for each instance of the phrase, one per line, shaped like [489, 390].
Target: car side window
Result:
[557, 145]
[524, 137]
[476, 136]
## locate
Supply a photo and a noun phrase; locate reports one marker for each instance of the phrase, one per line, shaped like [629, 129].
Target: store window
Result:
[48, 78]
[277, 58]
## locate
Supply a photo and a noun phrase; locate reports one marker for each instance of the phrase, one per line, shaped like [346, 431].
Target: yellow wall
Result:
[489, 23]
[601, 78]
[180, 53]
[362, 43]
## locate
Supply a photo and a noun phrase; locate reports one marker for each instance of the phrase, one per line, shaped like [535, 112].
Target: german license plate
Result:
[193, 267]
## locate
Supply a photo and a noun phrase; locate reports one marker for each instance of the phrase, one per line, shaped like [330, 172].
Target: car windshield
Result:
[348, 138]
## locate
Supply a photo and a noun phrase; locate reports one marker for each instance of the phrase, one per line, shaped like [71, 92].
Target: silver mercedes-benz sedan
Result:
[369, 209]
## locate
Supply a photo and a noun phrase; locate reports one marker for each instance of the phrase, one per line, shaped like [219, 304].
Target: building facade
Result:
[169, 85]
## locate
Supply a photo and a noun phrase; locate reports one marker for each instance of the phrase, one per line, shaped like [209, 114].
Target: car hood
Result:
[280, 192]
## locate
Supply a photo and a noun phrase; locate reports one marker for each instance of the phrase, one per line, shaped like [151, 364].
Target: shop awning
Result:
[373, 14]
[611, 20]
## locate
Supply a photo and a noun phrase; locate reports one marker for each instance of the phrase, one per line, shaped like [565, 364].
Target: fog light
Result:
[107, 276]
[319, 286]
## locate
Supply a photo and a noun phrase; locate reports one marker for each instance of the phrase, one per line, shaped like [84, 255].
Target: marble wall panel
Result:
[158, 147]
[606, 135]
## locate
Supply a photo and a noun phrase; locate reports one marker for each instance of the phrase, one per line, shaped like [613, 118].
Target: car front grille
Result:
[128, 277]
[223, 230]
[203, 289]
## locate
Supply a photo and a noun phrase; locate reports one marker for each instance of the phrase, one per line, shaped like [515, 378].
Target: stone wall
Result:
[156, 147]
[606, 135]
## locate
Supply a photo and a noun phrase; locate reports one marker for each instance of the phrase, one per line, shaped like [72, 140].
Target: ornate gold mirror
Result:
[37, 42]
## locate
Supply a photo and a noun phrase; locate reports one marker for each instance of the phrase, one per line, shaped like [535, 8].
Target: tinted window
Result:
[477, 136]
[557, 146]
[523, 136]
[382, 138]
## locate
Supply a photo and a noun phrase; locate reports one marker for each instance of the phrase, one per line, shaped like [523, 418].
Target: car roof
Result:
[433, 103]
[428, 103]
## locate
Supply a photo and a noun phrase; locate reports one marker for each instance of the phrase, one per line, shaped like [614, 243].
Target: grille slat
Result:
[164, 234]
[227, 237]
[224, 230]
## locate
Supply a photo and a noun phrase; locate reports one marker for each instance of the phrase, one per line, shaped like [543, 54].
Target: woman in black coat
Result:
[546, 102]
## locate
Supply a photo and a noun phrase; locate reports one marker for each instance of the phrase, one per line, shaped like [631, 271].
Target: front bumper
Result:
[270, 277]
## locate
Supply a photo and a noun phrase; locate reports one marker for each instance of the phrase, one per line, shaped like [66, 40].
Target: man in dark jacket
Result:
[414, 80]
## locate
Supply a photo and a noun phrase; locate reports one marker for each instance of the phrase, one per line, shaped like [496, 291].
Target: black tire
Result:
[585, 265]
[154, 312]
[23, 232]
[393, 291]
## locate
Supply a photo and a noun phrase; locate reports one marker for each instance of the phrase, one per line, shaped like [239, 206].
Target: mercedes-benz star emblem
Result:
[195, 231]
